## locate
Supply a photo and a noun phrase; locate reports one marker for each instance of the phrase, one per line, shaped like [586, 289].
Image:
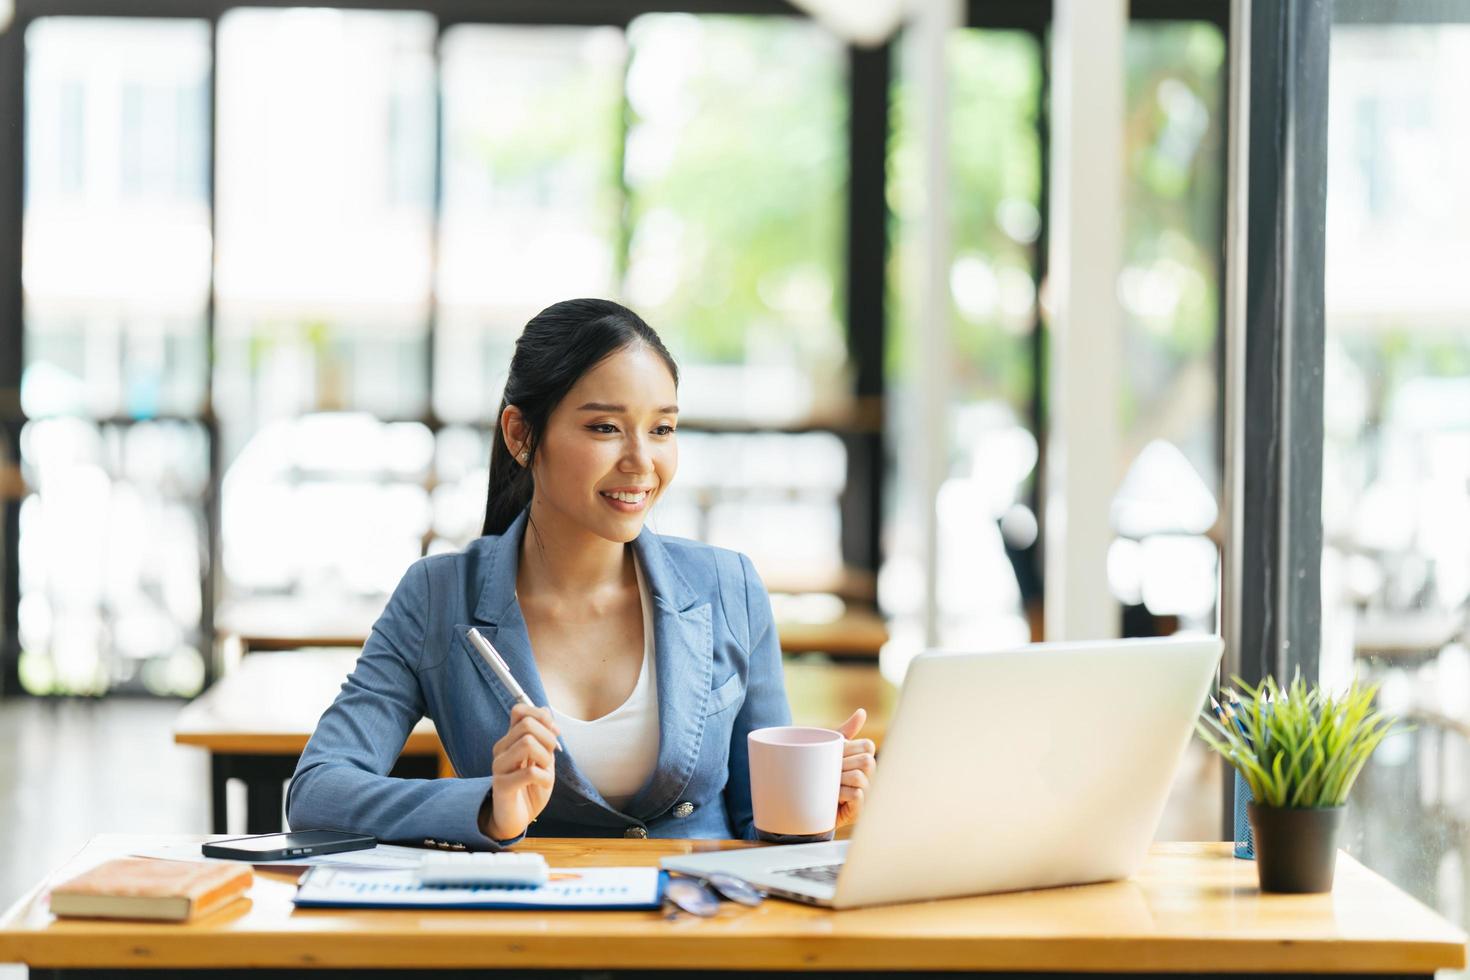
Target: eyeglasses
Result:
[693, 895]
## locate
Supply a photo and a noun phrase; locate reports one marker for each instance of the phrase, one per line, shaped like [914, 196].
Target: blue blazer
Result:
[718, 661]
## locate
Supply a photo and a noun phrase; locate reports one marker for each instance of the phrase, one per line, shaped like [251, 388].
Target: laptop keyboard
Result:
[822, 874]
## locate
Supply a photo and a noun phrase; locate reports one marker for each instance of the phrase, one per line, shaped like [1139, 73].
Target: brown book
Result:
[144, 888]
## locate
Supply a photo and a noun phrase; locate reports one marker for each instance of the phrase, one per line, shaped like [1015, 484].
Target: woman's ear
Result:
[516, 432]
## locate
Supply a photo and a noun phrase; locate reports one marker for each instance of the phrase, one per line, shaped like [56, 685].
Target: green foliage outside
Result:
[750, 187]
[995, 172]
[749, 178]
[1174, 139]
[571, 122]
[1402, 353]
[1174, 178]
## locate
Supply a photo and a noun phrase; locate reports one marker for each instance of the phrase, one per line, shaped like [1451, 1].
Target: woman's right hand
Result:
[524, 766]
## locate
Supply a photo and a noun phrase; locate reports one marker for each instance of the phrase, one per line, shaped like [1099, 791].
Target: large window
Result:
[1163, 567]
[112, 538]
[1396, 458]
[117, 241]
[735, 170]
[268, 369]
[996, 228]
[317, 311]
[735, 167]
[324, 206]
[531, 198]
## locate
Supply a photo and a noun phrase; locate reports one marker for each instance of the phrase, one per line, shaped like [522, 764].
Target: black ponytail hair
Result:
[558, 346]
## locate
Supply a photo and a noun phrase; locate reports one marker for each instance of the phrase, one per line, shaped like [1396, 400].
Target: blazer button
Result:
[683, 809]
[639, 833]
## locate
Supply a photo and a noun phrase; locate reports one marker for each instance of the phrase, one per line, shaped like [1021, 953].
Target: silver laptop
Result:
[1040, 766]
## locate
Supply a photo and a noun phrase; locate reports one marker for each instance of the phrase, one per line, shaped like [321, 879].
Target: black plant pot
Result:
[1296, 849]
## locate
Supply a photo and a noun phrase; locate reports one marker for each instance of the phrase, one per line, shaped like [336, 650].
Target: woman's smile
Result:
[627, 500]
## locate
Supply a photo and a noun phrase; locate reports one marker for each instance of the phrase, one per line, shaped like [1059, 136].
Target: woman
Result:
[651, 658]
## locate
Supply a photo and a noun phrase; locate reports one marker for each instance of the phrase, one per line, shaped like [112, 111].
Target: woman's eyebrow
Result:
[605, 407]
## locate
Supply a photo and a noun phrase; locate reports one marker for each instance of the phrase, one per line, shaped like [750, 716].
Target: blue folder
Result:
[594, 888]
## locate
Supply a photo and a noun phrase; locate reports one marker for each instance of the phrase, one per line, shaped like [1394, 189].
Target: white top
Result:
[619, 751]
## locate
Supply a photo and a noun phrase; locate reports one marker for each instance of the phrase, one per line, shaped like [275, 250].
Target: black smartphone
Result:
[264, 848]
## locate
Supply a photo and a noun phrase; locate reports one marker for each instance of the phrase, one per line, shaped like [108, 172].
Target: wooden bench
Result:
[256, 721]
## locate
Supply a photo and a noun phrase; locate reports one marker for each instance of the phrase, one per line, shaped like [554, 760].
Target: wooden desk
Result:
[255, 721]
[850, 583]
[289, 624]
[857, 634]
[1193, 908]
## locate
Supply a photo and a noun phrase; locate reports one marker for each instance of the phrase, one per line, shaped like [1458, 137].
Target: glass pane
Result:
[325, 218]
[531, 196]
[735, 165]
[328, 506]
[461, 466]
[117, 241]
[113, 547]
[325, 192]
[1396, 458]
[1163, 567]
[985, 525]
[773, 496]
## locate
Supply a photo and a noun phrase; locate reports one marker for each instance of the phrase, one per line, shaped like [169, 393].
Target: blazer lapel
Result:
[505, 628]
[684, 661]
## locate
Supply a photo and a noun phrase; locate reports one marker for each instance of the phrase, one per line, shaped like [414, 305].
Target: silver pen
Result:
[501, 670]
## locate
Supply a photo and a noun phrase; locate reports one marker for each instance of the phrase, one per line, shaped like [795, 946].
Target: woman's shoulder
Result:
[725, 578]
[443, 573]
[708, 567]
[689, 551]
[475, 552]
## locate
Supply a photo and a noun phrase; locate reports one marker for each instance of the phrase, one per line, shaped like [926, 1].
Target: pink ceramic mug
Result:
[795, 778]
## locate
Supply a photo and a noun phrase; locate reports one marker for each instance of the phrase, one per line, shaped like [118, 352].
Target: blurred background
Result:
[273, 261]
[311, 325]
[1396, 448]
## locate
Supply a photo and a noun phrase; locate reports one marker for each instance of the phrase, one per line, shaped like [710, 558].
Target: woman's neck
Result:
[558, 560]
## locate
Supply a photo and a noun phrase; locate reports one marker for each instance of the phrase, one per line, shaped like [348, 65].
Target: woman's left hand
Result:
[858, 764]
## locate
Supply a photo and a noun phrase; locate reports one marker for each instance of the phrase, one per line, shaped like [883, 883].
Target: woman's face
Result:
[609, 448]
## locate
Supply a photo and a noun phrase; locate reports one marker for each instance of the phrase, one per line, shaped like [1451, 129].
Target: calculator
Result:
[502, 868]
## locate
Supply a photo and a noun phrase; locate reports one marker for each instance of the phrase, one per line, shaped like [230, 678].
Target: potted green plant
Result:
[1300, 750]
